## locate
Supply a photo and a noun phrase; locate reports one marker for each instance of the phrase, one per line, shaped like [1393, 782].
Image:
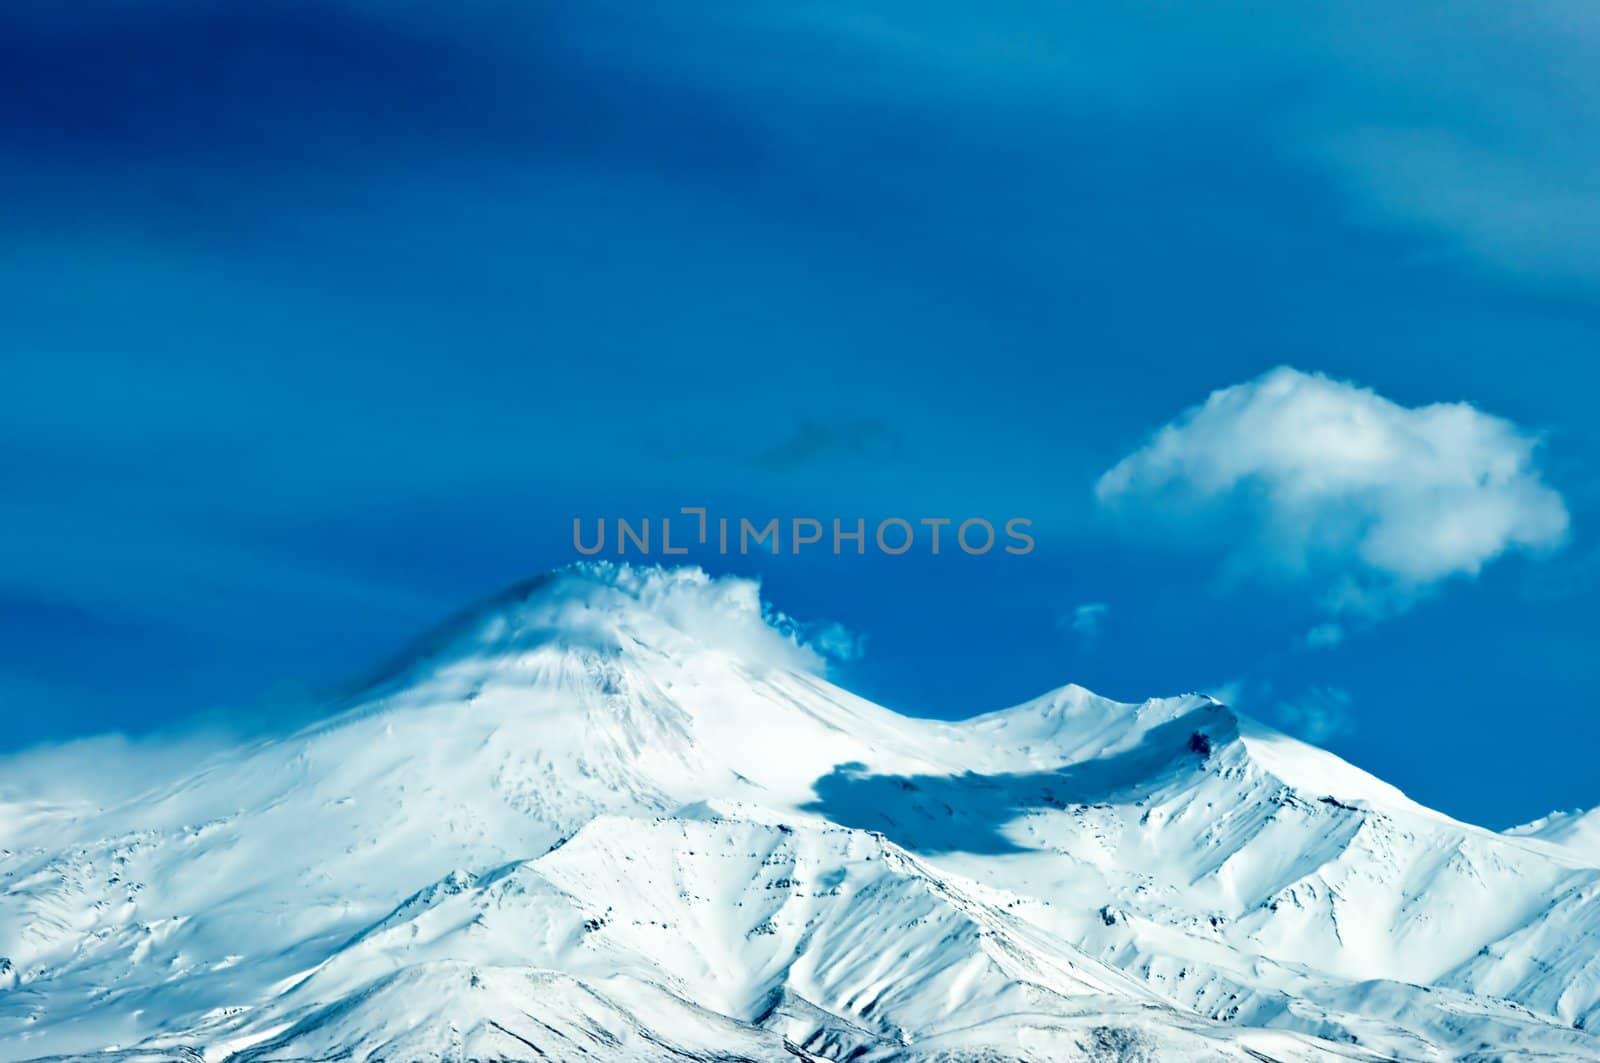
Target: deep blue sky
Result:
[320, 320]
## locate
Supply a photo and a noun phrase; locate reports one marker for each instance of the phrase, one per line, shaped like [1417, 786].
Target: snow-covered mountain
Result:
[618, 814]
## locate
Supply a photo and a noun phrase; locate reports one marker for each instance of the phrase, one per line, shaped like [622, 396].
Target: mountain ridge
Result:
[1223, 888]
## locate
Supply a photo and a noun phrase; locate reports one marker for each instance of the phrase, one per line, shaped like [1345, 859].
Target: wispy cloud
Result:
[1325, 636]
[1086, 620]
[1316, 715]
[816, 440]
[834, 641]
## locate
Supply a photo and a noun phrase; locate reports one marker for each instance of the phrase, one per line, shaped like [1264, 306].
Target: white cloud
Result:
[1334, 481]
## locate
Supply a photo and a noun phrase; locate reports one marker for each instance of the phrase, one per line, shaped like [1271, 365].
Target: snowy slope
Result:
[830, 940]
[618, 814]
[1577, 831]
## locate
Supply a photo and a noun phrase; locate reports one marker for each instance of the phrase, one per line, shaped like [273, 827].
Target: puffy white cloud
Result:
[1328, 478]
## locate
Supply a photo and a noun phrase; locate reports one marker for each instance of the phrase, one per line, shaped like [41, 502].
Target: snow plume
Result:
[1314, 715]
[727, 613]
[595, 604]
[608, 605]
[120, 767]
[1375, 500]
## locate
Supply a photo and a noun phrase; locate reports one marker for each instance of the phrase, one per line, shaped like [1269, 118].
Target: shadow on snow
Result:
[969, 812]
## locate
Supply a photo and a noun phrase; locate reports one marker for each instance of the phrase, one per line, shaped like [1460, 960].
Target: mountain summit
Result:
[621, 814]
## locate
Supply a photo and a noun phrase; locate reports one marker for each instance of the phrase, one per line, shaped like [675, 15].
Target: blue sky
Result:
[320, 320]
